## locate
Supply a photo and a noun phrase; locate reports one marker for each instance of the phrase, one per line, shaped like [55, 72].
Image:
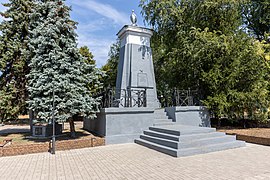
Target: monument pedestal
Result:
[120, 125]
[189, 115]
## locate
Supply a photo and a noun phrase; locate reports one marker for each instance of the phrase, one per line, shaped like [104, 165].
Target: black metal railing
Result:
[180, 98]
[135, 97]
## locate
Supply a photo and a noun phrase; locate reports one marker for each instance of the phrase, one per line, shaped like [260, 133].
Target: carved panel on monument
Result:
[142, 80]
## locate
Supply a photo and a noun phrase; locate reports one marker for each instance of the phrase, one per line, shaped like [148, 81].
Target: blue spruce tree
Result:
[57, 66]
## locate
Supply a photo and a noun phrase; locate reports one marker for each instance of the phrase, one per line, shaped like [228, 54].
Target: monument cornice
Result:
[135, 29]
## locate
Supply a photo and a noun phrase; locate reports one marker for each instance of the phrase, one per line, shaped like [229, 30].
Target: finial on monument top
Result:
[133, 18]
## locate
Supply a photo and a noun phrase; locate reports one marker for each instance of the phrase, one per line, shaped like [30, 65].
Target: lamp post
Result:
[53, 130]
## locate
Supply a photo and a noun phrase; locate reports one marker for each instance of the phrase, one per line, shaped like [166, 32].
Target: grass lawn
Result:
[23, 138]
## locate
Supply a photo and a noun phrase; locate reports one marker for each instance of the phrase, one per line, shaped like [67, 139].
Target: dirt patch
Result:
[255, 132]
[21, 149]
[252, 135]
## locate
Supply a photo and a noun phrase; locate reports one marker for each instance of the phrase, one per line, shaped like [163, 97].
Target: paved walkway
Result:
[131, 161]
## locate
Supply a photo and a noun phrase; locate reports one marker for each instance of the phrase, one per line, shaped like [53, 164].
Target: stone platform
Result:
[156, 130]
[176, 137]
[179, 140]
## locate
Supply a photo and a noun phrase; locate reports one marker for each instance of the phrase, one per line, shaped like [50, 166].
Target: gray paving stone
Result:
[131, 161]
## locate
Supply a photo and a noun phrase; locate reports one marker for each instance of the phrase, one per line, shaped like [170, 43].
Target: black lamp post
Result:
[53, 130]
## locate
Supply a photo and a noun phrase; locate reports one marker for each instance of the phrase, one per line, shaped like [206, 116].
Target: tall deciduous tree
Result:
[13, 62]
[256, 14]
[56, 65]
[175, 22]
[110, 68]
[200, 44]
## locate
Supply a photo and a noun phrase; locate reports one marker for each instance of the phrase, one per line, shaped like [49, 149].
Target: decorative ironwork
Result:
[180, 98]
[135, 97]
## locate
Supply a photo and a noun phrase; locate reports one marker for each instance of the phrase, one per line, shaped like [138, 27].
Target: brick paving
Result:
[131, 161]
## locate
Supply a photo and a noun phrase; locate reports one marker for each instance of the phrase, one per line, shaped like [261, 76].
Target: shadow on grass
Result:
[27, 138]
[14, 131]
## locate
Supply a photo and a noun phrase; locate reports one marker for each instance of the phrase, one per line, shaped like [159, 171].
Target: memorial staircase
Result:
[179, 140]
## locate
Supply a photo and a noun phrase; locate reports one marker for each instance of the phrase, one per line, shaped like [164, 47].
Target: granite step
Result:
[210, 148]
[162, 120]
[163, 123]
[161, 117]
[190, 151]
[161, 135]
[183, 138]
[180, 140]
[157, 147]
[206, 141]
[177, 129]
[160, 141]
[194, 143]
[190, 137]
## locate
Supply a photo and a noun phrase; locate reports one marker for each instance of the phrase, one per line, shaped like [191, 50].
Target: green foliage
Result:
[85, 52]
[110, 68]
[95, 85]
[256, 15]
[56, 65]
[175, 23]
[175, 16]
[7, 109]
[200, 45]
[237, 81]
[13, 63]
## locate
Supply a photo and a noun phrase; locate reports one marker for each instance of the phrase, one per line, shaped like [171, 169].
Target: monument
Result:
[135, 68]
[136, 96]
[135, 116]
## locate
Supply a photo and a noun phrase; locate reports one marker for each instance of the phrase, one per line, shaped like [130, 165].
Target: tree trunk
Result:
[2, 119]
[245, 126]
[72, 126]
[219, 122]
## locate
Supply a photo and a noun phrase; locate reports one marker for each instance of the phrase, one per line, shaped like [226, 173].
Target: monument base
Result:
[189, 115]
[120, 125]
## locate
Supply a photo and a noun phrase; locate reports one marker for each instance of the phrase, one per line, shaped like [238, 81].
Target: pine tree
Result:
[13, 63]
[95, 85]
[85, 52]
[56, 65]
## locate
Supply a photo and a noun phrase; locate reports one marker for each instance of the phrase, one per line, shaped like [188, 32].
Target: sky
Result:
[99, 22]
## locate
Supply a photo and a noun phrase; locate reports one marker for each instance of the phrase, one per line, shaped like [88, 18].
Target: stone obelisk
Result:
[135, 69]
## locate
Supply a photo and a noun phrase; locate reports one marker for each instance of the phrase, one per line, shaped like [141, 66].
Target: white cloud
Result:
[98, 25]
[99, 46]
[98, 43]
[104, 10]
[87, 27]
